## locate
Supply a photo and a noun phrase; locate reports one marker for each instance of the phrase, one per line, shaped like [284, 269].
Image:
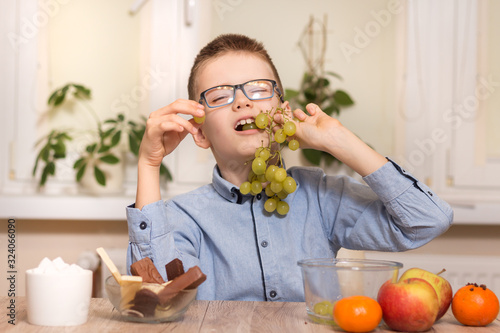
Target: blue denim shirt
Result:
[249, 254]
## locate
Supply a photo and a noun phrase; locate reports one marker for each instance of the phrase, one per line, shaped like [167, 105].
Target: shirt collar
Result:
[228, 191]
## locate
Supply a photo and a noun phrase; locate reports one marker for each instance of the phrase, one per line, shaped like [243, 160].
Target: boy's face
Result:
[219, 131]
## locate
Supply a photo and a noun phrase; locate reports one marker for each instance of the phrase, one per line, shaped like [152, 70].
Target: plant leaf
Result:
[165, 172]
[109, 159]
[81, 91]
[332, 109]
[133, 144]
[78, 164]
[45, 153]
[91, 148]
[334, 74]
[81, 172]
[107, 133]
[312, 155]
[116, 138]
[99, 176]
[290, 93]
[342, 98]
[103, 148]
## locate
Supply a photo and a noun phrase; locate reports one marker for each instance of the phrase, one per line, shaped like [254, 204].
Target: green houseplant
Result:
[102, 148]
[316, 85]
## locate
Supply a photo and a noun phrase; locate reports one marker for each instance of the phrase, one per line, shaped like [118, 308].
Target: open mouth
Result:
[245, 125]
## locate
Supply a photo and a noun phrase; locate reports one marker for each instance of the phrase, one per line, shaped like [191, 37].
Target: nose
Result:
[241, 101]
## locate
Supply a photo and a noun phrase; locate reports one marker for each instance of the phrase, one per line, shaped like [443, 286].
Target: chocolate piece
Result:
[147, 270]
[145, 302]
[189, 280]
[174, 269]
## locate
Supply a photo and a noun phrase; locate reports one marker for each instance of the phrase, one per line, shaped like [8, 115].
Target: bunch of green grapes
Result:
[267, 166]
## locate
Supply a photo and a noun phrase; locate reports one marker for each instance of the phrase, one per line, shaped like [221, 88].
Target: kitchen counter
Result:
[209, 316]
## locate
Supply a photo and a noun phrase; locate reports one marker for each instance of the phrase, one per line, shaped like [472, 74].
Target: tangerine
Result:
[475, 305]
[357, 314]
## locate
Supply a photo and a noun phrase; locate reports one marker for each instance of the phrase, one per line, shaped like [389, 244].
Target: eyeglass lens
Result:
[254, 90]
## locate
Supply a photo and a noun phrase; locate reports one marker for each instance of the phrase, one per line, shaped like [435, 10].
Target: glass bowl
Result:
[123, 299]
[328, 280]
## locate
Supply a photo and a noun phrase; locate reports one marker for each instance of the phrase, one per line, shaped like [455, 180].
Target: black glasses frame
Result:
[240, 86]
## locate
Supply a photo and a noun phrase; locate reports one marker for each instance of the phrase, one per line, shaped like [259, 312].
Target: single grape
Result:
[276, 187]
[261, 178]
[280, 175]
[259, 166]
[280, 136]
[245, 188]
[282, 208]
[257, 151]
[262, 121]
[282, 195]
[289, 185]
[199, 120]
[271, 170]
[293, 145]
[324, 308]
[265, 153]
[249, 126]
[289, 128]
[251, 176]
[269, 191]
[256, 187]
[270, 205]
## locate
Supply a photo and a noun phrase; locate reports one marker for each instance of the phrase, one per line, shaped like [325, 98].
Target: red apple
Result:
[440, 285]
[408, 305]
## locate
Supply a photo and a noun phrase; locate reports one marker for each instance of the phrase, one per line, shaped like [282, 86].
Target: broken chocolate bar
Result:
[189, 280]
[145, 302]
[174, 269]
[147, 270]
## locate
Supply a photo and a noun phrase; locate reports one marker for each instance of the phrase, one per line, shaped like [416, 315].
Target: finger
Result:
[181, 106]
[182, 123]
[312, 108]
[300, 115]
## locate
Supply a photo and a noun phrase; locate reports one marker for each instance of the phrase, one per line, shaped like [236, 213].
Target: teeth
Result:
[244, 121]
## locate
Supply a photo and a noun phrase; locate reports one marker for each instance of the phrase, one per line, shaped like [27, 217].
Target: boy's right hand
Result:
[165, 129]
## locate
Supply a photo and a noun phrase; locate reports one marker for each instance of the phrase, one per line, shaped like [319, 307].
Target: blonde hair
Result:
[222, 45]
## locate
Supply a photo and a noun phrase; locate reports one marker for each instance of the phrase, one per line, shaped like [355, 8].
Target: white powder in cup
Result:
[58, 294]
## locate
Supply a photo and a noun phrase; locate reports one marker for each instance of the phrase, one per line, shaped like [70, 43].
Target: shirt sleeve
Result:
[151, 235]
[404, 213]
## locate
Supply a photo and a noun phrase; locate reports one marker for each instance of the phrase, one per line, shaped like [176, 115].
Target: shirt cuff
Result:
[140, 222]
[390, 181]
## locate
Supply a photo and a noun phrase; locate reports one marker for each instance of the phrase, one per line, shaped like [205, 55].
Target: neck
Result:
[233, 172]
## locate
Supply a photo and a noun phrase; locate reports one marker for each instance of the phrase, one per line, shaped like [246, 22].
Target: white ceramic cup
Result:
[58, 299]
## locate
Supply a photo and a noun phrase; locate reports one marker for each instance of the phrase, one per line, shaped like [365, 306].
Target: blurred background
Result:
[423, 76]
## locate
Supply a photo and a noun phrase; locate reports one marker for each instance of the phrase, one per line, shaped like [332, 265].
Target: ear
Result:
[201, 140]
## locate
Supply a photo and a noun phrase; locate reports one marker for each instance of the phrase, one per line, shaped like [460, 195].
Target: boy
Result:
[247, 253]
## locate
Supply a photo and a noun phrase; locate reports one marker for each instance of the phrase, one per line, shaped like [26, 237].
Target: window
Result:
[168, 35]
[451, 88]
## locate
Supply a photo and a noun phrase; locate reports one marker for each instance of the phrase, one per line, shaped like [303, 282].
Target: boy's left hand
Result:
[316, 130]
[321, 132]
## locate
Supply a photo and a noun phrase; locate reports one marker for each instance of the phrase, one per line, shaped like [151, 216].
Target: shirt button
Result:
[259, 196]
[430, 193]
[273, 294]
[143, 225]
[264, 243]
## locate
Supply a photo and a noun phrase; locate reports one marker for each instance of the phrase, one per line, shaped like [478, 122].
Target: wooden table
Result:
[209, 316]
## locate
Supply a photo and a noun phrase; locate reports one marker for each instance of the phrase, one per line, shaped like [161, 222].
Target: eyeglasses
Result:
[254, 90]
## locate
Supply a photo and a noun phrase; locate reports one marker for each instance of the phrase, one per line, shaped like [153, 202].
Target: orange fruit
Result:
[475, 305]
[357, 314]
